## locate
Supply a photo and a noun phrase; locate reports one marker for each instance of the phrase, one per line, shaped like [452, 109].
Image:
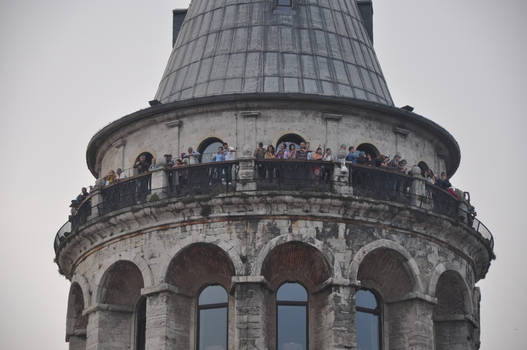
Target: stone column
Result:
[247, 128]
[109, 327]
[168, 318]
[176, 125]
[332, 131]
[159, 183]
[334, 309]
[410, 323]
[77, 341]
[96, 200]
[418, 190]
[341, 176]
[252, 317]
[246, 175]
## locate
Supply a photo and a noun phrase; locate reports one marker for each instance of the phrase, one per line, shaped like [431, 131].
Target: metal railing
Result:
[279, 175]
[380, 184]
[128, 192]
[293, 175]
[205, 178]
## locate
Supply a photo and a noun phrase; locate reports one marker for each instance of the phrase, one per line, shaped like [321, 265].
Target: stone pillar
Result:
[410, 324]
[247, 128]
[418, 190]
[96, 200]
[341, 176]
[159, 183]
[109, 327]
[332, 131]
[167, 318]
[77, 341]
[334, 309]
[176, 125]
[246, 174]
[252, 318]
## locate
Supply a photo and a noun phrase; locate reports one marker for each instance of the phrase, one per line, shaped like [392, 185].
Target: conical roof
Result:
[317, 47]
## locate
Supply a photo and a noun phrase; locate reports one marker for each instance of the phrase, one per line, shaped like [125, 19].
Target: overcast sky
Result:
[69, 67]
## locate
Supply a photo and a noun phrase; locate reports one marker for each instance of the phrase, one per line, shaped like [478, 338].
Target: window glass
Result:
[213, 295]
[291, 292]
[292, 327]
[292, 317]
[367, 331]
[213, 322]
[213, 329]
[365, 298]
[367, 321]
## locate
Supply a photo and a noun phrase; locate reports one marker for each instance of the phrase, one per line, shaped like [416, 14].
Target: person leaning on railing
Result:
[141, 165]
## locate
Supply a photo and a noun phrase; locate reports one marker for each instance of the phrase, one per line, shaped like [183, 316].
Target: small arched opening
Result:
[208, 148]
[452, 330]
[285, 270]
[203, 272]
[369, 149]
[368, 320]
[121, 289]
[142, 163]
[289, 139]
[76, 323]
[387, 272]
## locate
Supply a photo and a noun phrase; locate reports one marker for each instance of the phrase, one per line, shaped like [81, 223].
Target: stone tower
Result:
[252, 253]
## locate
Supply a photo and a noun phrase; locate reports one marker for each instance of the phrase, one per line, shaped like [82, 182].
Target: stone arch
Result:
[408, 262]
[227, 246]
[148, 155]
[282, 239]
[121, 284]
[289, 138]
[287, 262]
[453, 328]
[143, 266]
[76, 322]
[85, 288]
[370, 149]
[206, 143]
[200, 264]
[438, 271]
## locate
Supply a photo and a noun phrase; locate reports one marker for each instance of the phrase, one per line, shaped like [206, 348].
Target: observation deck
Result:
[272, 188]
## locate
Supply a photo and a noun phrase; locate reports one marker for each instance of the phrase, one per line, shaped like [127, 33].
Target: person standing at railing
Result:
[270, 168]
[301, 153]
[111, 178]
[281, 153]
[342, 153]
[443, 182]
[291, 152]
[352, 156]
[191, 157]
[229, 153]
[120, 174]
[309, 151]
[141, 165]
[83, 195]
[218, 170]
[259, 154]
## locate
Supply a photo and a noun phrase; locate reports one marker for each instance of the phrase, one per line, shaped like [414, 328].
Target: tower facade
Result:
[238, 249]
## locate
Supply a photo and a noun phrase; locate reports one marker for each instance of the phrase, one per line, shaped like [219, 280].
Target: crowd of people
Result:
[285, 151]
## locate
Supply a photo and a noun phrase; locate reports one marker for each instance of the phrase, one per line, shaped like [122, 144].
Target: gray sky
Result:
[69, 67]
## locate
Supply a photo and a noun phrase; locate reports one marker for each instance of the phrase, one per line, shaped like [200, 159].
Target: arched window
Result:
[370, 149]
[208, 148]
[212, 318]
[367, 321]
[140, 325]
[290, 139]
[292, 316]
[142, 163]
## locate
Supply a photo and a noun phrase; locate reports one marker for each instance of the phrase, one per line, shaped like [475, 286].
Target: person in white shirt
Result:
[229, 153]
[120, 174]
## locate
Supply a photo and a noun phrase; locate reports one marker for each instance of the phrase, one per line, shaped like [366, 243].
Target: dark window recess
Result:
[140, 333]
[212, 318]
[367, 320]
[292, 317]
